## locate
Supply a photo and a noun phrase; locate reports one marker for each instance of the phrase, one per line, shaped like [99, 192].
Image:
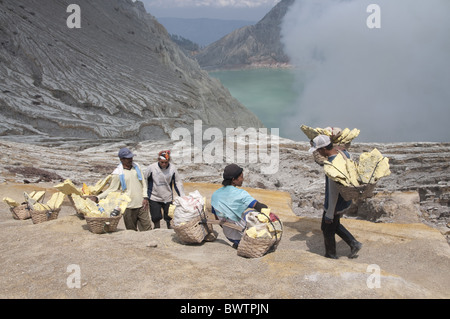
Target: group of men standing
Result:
[151, 188]
[154, 189]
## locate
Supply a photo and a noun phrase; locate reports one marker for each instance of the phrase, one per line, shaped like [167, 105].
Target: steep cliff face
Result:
[255, 45]
[118, 76]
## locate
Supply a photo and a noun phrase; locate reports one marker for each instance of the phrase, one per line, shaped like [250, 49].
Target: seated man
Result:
[229, 203]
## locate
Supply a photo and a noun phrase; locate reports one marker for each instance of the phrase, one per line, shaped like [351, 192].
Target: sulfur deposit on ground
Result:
[412, 259]
[404, 230]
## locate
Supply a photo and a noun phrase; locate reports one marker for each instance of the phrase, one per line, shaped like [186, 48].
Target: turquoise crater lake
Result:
[271, 94]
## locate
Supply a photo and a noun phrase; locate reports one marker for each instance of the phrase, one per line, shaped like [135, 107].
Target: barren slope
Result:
[118, 76]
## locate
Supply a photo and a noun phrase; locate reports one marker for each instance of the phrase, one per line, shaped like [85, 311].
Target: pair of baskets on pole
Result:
[34, 208]
[200, 229]
[24, 211]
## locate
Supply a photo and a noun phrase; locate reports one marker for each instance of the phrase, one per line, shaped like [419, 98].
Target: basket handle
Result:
[204, 219]
[279, 221]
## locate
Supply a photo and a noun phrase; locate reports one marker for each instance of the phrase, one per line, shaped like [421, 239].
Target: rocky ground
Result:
[420, 172]
[404, 240]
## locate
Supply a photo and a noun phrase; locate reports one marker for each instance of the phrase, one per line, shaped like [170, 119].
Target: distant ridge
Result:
[257, 45]
[202, 31]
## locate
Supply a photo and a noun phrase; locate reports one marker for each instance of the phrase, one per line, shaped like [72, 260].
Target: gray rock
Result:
[256, 45]
[118, 76]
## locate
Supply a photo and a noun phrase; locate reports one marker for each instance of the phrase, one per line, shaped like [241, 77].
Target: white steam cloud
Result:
[392, 82]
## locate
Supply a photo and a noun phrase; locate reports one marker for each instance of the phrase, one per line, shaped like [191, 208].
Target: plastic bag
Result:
[187, 207]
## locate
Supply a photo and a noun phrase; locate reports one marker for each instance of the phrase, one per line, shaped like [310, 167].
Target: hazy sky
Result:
[391, 82]
[252, 10]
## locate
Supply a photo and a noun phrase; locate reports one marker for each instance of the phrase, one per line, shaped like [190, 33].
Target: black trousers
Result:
[335, 228]
[155, 211]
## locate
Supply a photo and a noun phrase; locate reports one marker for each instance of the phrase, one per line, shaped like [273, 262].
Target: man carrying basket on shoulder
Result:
[334, 204]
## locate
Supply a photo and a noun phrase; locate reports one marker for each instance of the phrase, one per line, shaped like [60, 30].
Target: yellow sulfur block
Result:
[85, 206]
[40, 207]
[350, 137]
[342, 170]
[68, 188]
[264, 234]
[56, 200]
[344, 133]
[11, 202]
[352, 172]
[113, 200]
[100, 185]
[262, 218]
[37, 195]
[346, 136]
[310, 132]
[171, 210]
[382, 169]
[373, 166]
[337, 170]
[251, 232]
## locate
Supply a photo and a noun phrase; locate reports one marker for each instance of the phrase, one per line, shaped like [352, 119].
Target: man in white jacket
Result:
[162, 177]
[334, 204]
[127, 177]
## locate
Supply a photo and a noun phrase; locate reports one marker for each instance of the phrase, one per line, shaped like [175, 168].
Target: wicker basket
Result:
[257, 247]
[101, 225]
[356, 192]
[194, 231]
[40, 216]
[21, 212]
